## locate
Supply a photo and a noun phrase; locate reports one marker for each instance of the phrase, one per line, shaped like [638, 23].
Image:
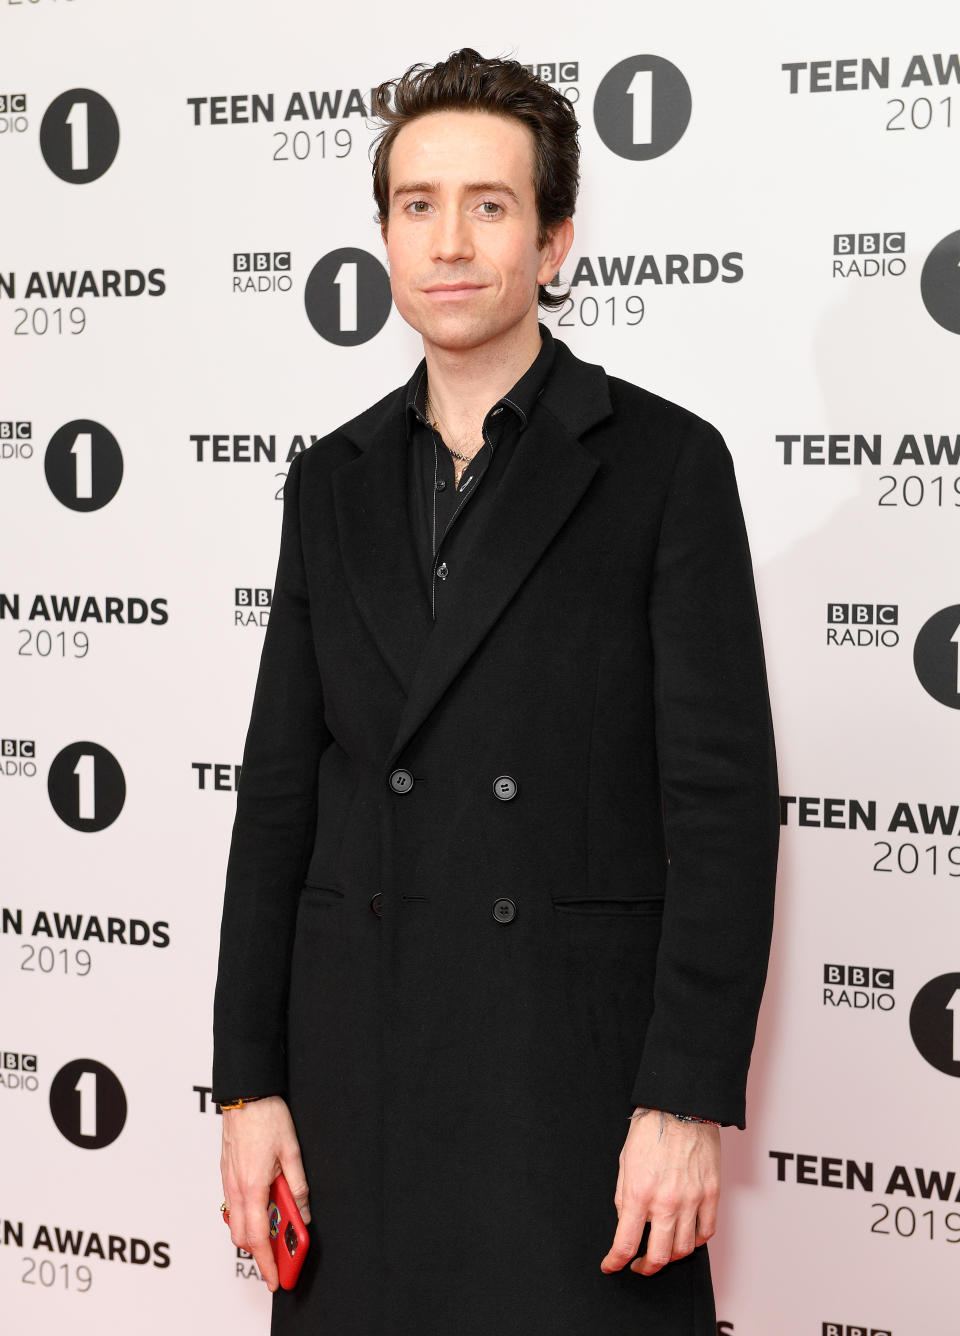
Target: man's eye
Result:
[418, 206]
[490, 208]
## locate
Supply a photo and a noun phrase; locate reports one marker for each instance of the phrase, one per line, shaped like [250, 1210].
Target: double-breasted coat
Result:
[496, 879]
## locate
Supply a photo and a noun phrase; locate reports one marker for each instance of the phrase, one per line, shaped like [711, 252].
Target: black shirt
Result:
[446, 519]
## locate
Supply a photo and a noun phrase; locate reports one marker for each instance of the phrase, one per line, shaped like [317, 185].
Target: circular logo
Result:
[86, 786]
[936, 656]
[79, 136]
[940, 283]
[88, 1103]
[83, 465]
[935, 1023]
[642, 107]
[348, 296]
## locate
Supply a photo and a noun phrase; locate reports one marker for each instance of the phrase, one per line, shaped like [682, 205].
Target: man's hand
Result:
[258, 1142]
[673, 1182]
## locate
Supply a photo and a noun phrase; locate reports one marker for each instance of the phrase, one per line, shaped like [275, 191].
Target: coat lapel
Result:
[547, 475]
[376, 541]
[542, 485]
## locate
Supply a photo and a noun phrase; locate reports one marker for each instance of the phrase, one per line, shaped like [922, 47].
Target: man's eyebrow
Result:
[471, 188]
[493, 188]
[416, 188]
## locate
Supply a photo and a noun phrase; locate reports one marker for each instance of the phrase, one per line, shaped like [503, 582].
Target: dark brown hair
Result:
[468, 82]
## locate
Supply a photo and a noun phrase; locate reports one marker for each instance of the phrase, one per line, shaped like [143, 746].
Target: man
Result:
[503, 861]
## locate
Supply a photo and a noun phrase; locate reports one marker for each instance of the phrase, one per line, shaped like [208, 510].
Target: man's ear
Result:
[556, 250]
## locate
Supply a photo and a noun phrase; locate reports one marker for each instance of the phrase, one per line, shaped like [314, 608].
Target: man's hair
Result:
[468, 82]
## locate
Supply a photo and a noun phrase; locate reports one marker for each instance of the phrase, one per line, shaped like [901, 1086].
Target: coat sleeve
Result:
[718, 780]
[273, 834]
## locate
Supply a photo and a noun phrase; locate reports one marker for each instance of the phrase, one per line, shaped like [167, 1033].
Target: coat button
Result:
[505, 787]
[443, 570]
[504, 910]
[401, 781]
[375, 902]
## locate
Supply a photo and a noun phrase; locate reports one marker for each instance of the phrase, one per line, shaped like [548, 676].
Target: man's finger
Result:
[706, 1220]
[258, 1244]
[659, 1247]
[626, 1240]
[684, 1237]
[297, 1183]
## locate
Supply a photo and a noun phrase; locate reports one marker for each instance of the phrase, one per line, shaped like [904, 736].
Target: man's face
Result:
[461, 234]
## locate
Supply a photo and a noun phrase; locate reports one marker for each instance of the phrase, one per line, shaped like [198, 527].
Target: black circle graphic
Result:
[935, 1023]
[83, 465]
[642, 107]
[347, 296]
[88, 1103]
[79, 136]
[940, 283]
[936, 656]
[86, 786]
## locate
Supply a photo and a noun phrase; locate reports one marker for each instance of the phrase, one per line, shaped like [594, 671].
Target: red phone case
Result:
[288, 1234]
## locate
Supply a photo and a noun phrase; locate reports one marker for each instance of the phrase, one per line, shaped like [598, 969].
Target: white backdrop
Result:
[820, 148]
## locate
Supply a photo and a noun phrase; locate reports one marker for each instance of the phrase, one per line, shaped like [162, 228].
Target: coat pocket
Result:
[645, 906]
[321, 895]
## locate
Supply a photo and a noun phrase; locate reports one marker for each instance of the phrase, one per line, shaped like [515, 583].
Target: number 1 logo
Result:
[83, 465]
[79, 136]
[936, 656]
[935, 1023]
[86, 786]
[347, 296]
[940, 283]
[642, 107]
[88, 1103]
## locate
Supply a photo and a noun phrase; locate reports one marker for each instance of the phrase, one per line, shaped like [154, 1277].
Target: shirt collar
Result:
[520, 400]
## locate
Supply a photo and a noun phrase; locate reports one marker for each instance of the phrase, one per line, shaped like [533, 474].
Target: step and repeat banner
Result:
[192, 290]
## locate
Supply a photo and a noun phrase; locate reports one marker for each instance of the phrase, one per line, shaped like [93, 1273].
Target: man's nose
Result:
[452, 237]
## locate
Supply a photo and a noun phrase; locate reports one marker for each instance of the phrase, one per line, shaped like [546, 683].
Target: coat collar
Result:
[548, 474]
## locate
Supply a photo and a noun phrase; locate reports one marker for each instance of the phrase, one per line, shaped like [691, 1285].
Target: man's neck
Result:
[465, 383]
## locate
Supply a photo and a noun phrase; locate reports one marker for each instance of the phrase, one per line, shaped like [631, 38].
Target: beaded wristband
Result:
[680, 1117]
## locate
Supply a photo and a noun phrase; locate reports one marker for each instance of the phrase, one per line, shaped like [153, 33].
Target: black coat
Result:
[494, 880]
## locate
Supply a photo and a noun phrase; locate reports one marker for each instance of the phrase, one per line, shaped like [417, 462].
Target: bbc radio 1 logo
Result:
[935, 1023]
[18, 1071]
[261, 271]
[83, 465]
[86, 787]
[936, 656]
[16, 440]
[869, 254]
[858, 987]
[347, 296]
[13, 114]
[564, 75]
[18, 757]
[251, 606]
[863, 625]
[88, 1103]
[940, 283]
[79, 136]
[642, 107]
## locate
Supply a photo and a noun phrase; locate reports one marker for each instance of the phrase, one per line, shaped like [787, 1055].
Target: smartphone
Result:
[288, 1234]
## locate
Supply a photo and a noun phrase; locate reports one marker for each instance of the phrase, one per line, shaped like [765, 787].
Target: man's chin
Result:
[453, 332]
[458, 331]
